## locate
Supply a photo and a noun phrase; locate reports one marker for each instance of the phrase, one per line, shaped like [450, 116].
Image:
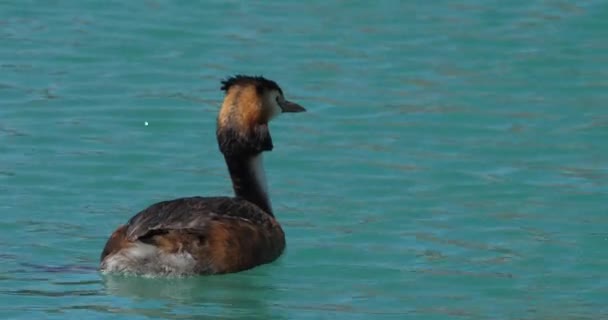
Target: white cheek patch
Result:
[276, 109]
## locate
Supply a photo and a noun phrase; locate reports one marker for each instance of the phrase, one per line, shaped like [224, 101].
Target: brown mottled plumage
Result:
[213, 235]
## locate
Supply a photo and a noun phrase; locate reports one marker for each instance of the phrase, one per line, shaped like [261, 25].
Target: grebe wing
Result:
[193, 214]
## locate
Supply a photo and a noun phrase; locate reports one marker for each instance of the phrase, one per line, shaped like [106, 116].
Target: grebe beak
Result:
[288, 106]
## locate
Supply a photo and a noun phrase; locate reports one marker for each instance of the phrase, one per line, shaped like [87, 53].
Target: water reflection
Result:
[247, 295]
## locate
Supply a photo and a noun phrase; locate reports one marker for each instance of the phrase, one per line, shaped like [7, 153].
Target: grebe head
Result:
[250, 103]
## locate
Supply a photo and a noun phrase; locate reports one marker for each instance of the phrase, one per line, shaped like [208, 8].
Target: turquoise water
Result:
[453, 163]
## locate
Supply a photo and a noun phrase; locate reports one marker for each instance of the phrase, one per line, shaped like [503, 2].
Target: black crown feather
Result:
[261, 84]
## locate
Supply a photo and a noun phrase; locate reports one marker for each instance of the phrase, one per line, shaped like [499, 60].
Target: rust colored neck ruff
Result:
[243, 155]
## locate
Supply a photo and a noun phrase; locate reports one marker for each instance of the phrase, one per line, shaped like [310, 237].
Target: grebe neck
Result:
[249, 179]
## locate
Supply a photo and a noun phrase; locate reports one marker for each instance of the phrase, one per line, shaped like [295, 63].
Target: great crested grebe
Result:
[213, 235]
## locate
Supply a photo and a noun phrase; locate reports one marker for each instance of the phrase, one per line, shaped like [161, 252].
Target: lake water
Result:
[453, 162]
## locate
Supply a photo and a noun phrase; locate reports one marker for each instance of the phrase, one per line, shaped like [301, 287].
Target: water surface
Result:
[452, 165]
